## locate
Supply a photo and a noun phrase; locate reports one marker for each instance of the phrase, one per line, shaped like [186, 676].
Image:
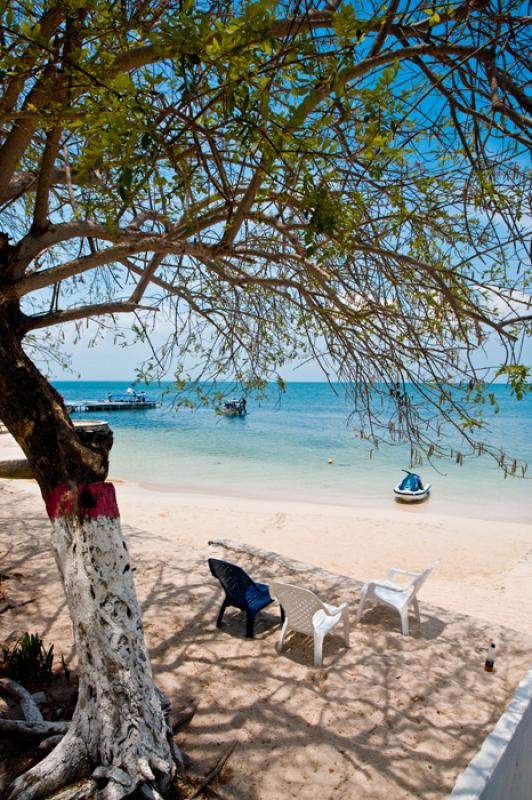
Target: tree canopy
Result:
[344, 182]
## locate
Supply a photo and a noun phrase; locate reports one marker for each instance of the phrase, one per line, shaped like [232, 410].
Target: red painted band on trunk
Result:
[86, 501]
[61, 502]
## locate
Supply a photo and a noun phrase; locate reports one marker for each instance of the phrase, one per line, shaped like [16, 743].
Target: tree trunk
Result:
[34, 413]
[118, 733]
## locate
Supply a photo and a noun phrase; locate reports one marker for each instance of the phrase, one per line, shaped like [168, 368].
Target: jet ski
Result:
[411, 489]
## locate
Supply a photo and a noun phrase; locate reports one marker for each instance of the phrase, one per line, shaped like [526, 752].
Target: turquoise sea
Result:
[281, 449]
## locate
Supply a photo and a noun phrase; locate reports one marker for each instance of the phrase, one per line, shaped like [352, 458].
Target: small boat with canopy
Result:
[235, 408]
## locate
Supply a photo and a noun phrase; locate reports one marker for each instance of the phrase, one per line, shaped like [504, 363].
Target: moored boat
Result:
[411, 489]
[119, 402]
[235, 408]
[129, 400]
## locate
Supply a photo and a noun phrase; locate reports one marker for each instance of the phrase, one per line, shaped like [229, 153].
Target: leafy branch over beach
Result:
[268, 180]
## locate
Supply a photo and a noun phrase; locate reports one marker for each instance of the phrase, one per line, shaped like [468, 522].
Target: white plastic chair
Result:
[399, 596]
[305, 613]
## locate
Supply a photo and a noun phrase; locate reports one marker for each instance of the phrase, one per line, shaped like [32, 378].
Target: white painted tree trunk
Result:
[118, 733]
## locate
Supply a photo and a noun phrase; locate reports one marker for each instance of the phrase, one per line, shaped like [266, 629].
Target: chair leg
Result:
[250, 625]
[345, 617]
[404, 620]
[279, 646]
[318, 649]
[416, 609]
[282, 615]
[363, 594]
[221, 614]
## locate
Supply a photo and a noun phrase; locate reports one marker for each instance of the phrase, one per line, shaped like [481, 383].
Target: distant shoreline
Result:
[431, 507]
[479, 508]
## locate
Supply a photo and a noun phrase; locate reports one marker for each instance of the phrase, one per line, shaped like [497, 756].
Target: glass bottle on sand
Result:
[489, 663]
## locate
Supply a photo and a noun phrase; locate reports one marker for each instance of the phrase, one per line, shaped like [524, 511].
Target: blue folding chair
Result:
[241, 592]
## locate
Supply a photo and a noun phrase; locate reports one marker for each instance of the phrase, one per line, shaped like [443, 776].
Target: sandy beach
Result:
[391, 716]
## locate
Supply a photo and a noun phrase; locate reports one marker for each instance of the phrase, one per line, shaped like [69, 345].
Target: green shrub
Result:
[28, 661]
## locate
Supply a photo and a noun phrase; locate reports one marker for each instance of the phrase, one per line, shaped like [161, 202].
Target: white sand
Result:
[485, 567]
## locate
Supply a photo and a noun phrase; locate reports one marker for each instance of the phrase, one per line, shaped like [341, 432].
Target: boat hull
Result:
[411, 497]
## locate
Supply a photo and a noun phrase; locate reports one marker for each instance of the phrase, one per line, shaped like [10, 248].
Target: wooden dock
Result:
[110, 405]
[87, 429]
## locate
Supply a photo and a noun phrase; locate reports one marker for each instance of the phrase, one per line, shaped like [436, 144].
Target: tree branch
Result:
[31, 323]
[49, 23]
[21, 134]
[385, 29]
[44, 182]
[139, 243]
[145, 279]
[247, 201]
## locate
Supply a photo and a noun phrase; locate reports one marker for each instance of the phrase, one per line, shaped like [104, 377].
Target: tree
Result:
[277, 178]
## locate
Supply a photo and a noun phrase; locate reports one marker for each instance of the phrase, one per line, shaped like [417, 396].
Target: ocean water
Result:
[282, 447]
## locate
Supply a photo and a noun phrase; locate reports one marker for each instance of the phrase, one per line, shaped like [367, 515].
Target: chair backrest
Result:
[234, 579]
[418, 582]
[299, 605]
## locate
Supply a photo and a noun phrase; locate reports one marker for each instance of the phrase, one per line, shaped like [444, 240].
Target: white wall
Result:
[502, 769]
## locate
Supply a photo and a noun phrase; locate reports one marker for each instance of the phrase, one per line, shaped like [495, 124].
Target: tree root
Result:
[67, 763]
[180, 760]
[67, 773]
[149, 792]
[183, 717]
[213, 773]
[27, 703]
[82, 790]
[50, 742]
[21, 726]
[55, 778]
[143, 771]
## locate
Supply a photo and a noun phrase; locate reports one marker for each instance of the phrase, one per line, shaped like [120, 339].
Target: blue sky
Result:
[108, 361]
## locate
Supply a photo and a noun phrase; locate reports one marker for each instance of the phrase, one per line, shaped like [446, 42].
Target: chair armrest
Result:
[383, 585]
[337, 609]
[408, 572]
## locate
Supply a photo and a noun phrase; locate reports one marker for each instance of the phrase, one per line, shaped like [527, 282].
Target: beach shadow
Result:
[391, 711]
[30, 576]
[234, 623]
[430, 627]
[299, 649]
